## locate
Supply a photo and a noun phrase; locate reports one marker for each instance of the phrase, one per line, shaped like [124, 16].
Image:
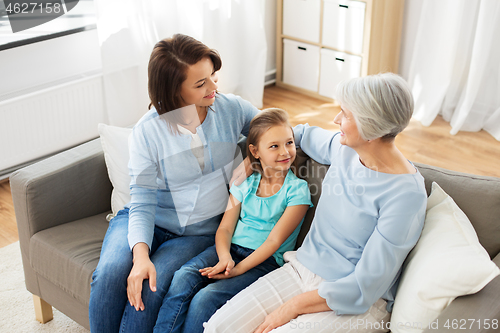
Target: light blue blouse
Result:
[366, 223]
[259, 215]
[168, 188]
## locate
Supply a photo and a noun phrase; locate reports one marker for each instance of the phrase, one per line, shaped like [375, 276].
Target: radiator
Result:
[50, 120]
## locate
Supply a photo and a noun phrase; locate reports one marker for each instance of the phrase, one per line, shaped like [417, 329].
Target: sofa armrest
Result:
[472, 313]
[68, 186]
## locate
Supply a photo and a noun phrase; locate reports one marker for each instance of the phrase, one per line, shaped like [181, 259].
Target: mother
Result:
[181, 156]
[369, 216]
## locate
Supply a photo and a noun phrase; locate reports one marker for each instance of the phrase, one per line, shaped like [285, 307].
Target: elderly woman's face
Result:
[349, 134]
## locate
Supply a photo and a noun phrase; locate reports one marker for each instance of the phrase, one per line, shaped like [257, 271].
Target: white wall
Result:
[40, 67]
[36, 66]
[44, 107]
[270, 26]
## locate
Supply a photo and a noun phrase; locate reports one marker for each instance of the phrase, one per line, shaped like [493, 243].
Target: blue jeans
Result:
[192, 298]
[109, 310]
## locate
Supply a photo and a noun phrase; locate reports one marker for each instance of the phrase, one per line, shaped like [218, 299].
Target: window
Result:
[80, 17]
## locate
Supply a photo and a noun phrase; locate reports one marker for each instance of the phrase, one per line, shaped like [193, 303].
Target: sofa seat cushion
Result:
[68, 254]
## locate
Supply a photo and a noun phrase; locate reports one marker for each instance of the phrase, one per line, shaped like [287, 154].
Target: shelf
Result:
[381, 35]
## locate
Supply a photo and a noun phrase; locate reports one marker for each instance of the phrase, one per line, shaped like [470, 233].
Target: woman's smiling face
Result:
[200, 85]
[349, 134]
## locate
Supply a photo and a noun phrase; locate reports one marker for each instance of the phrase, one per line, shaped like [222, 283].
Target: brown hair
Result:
[167, 69]
[260, 124]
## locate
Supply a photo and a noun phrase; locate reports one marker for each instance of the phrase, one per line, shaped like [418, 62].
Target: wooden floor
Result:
[472, 152]
[477, 153]
[8, 227]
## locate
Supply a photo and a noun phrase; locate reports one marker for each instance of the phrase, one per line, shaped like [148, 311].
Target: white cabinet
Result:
[301, 64]
[322, 42]
[343, 25]
[301, 19]
[336, 67]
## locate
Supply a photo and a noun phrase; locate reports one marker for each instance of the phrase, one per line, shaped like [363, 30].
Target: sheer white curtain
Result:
[455, 67]
[128, 30]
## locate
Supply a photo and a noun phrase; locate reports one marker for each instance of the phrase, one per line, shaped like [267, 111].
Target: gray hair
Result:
[382, 104]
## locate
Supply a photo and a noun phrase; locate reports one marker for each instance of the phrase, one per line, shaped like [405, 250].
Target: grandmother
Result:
[368, 218]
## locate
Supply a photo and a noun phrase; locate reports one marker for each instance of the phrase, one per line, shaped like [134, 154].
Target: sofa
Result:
[61, 204]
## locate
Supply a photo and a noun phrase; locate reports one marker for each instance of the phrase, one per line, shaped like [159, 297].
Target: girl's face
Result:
[276, 149]
[349, 134]
[200, 84]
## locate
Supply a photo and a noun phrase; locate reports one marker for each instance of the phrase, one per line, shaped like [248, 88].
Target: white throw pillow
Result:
[114, 142]
[448, 261]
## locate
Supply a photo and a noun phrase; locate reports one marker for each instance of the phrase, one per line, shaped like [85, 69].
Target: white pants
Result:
[248, 309]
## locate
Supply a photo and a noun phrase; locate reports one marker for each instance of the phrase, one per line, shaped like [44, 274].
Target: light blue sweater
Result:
[366, 223]
[168, 187]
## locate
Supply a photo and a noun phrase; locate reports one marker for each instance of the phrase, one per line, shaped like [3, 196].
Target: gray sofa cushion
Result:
[64, 181]
[312, 172]
[68, 254]
[477, 196]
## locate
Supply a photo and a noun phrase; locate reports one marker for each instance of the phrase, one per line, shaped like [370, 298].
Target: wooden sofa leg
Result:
[43, 310]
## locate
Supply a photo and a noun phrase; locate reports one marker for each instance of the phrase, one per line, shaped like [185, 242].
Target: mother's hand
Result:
[142, 269]
[241, 172]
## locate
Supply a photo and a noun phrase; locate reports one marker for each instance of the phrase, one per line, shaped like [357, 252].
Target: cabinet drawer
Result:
[301, 64]
[343, 25]
[336, 67]
[301, 19]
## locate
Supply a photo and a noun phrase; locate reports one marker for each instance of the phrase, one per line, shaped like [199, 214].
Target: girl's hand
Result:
[142, 269]
[277, 318]
[223, 267]
[227, 275]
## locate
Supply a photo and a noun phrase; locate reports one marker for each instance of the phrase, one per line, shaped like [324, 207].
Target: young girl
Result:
[261, 222]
